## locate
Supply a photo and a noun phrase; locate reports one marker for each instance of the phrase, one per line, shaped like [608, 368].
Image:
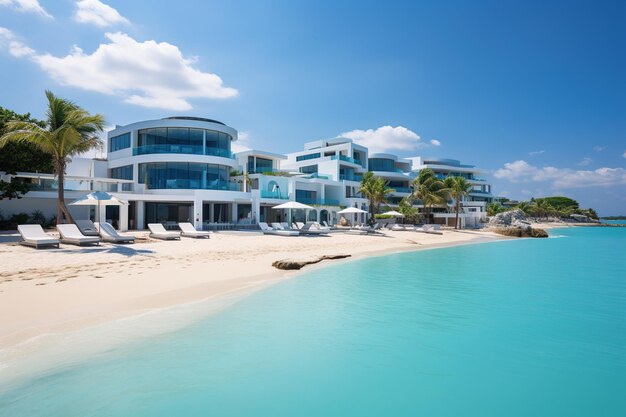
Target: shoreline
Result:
[88, 304]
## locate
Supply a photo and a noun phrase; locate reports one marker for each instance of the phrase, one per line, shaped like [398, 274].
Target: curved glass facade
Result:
[381, 164]
[186, 175]
[183, 140]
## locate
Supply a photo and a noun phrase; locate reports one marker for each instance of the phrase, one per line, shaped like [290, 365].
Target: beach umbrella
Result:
[394, 214]
[99, 198]
[292, 205]
[352, 210]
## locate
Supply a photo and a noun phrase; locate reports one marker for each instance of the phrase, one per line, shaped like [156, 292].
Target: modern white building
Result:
[182, 169]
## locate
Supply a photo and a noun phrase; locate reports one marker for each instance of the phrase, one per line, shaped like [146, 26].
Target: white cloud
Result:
[97, 13]
[242, 143]
[388, 138]
[26, 6]
[521, 171]
[599, 148]
[585, 162]
[15, 47]
[147, 74]
[624, 154]
[533, 153]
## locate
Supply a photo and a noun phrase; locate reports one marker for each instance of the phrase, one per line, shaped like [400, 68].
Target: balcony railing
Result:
[318, 201]
[354, 177]
[347, 159]
[274, 194]
[184, 184]
[71, 185]
[318, 176]
[184, 149]
[402, 189]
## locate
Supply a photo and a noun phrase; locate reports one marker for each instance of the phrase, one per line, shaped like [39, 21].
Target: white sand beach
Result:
[57, 290]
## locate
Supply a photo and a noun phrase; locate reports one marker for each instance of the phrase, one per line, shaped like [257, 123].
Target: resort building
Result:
[182, 169]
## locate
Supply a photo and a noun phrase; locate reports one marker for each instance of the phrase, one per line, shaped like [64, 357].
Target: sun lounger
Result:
[87, 227]
[157, 231]
[72, 235]
[325, 223]
[189, 231]
[34, 235]
[109, 234]
[308, 229]
[267, 230]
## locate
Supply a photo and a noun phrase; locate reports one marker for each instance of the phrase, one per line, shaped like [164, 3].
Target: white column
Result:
[256, 210]
[123, 223]
[140, 215]
[197, 213]
[233, 212]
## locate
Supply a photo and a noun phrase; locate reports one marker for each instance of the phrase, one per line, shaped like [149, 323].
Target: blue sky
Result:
[534, 92]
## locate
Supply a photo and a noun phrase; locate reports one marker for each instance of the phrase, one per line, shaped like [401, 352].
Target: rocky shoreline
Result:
[514, 224]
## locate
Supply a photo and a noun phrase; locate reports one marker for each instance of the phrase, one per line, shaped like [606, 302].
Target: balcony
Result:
[182, 149]
[318, 201]
[347, 159]
[354, 177]
[274, 194]
[402, 189]
[318, 176]
[46, 184]
[195, 184]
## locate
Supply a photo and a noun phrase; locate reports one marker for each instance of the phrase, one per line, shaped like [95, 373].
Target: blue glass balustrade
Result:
[274, 194]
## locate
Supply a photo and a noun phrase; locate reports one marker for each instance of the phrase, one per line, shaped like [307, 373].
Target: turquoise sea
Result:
[512, 328]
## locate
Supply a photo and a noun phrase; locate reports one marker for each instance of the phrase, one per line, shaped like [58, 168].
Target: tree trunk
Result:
[458, 208]
[62, 210]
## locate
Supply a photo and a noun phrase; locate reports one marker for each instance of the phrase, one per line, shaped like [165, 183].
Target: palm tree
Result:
[376, 190]
[430, 190]
[525, 206]
[457, 187]
[69, 130]
[541, 208]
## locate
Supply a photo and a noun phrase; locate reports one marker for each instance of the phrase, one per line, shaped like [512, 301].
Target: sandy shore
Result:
[58, 290]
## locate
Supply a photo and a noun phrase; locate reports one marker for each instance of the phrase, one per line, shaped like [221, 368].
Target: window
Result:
[305, 196]
[309, 169]
[183, 140]
[307, 157]
[117, 143]
[381, 164]
[184, 175]
[123, 173]
[263, 165]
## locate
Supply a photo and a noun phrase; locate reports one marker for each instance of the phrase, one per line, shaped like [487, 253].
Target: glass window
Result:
[119, 142]
[263, 165]
[177, 136]
[310, 169]
[212, 139]
[309, 156]
[381, 164]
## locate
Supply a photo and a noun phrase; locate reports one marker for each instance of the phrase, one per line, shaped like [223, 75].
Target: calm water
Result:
[516, 328]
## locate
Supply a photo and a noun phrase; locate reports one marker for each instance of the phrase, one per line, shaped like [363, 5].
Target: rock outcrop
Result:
[288, 264]
[514, 223]
[519, 232]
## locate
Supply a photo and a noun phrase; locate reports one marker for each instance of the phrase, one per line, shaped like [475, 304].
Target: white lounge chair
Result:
[325, 223]
[309, 229]
[72, 235]
[189, 231]
[109, 234]
[87, 227]
[34, 235]
[267, 230]
[157, 231]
